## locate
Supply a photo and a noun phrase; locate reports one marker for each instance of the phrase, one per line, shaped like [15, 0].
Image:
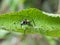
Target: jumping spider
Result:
[26, 22]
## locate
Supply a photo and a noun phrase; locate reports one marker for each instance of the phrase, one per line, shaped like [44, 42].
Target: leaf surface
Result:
[44, 24]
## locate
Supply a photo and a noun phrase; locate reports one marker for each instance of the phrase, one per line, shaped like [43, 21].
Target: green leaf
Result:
[44, 24]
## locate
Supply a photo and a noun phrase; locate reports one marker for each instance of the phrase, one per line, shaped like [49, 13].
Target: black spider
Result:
[26, 22]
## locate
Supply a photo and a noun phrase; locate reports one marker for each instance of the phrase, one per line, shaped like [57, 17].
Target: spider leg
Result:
[33, 22]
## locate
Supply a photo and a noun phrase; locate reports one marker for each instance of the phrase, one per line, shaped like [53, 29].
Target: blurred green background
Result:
[15, 38]
[51, 6]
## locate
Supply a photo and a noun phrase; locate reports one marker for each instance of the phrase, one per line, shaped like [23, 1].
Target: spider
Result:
[26, 22]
